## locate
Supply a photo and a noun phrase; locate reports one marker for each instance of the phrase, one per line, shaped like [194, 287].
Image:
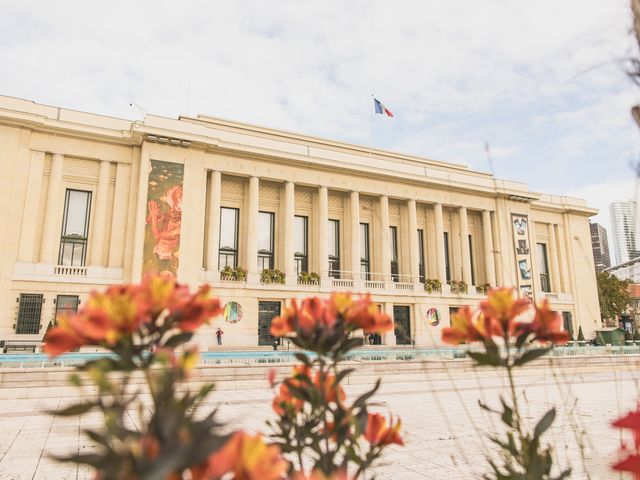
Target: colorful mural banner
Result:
[164, 217]
[520, 225]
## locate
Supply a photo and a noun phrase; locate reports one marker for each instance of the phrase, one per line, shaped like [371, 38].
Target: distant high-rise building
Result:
[623, 223]
[600, 247]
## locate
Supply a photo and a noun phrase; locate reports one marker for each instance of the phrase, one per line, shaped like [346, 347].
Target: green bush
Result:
[311, 278]
[432, 285]
[580, 334]
[238, 274]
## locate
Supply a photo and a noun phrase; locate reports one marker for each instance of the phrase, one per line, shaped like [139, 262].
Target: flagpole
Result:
[371, 115]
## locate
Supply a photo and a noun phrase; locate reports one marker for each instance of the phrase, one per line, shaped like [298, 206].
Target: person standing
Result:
[219, 334]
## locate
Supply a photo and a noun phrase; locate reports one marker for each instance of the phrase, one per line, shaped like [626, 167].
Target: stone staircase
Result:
[51, 382]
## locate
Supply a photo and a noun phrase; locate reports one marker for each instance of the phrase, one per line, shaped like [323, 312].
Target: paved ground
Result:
[443, 427]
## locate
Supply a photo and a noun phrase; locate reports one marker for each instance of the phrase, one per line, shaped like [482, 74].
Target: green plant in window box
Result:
[308, 278]
[483, 288]
[459, 286]
[272, 276]
[237, 274]
[432, 285]
[581, 340]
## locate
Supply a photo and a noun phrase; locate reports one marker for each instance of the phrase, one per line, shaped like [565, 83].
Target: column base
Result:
[446, 289]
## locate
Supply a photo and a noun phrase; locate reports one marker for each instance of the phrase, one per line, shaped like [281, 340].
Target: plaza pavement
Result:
[443, 427]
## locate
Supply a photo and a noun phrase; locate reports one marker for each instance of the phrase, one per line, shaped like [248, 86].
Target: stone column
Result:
[489, 264]
[497, 249]
[32, 200]
[119, 218]
[289, 243]
[464, 246]
[414, 251]
[553, 260]
[323, 234]
[213, 232]
[354, 208]
[53, 213]
[100, 216]
[439, 227]
[385, 254]
[253, 276]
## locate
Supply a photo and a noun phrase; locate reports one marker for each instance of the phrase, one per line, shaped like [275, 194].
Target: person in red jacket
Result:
[219, 334]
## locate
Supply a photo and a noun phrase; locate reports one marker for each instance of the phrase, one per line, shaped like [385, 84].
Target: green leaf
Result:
[179, 339]
[521, 339]
[530, 355]
[340, 376]
[544, 423]
[362, 399]
[77, 409]
[485, 359]
[302, 357]
[507, 414]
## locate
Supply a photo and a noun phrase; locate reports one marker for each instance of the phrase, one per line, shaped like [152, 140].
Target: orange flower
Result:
[378, 433]
[284, 324]
[196, 309]
[502, 306]
[464, 329]
[248, 458]
[63, 338]
[547, 325]
[116, 313]
[364, 314]
[331, 391]
[631, 463]
[285, 400]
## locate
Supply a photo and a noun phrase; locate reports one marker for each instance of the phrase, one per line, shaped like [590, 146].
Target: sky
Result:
[543, 82]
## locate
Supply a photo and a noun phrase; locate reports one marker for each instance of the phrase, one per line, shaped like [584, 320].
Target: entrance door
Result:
[266, 312]
[402, 323]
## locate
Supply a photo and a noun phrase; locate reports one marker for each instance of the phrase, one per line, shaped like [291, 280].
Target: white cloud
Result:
[541, 81]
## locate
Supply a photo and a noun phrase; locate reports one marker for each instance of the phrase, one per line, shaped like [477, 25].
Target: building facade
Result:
[623, 224]
[265, 216]
[600, 246]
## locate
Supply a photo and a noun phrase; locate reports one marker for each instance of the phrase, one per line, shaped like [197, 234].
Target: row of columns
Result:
[354, 226]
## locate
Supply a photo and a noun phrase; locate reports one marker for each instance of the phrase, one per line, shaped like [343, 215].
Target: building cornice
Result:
[236, 139]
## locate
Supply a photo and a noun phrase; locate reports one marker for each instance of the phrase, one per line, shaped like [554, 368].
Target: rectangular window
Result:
[567, 323]
[228, 252]
[75, 228]
[29, 313]
[447, 268]
[421, 268]
[393, 241]
[334, 248]
[267, 311]
[265, 240]
[543, 267]
[301, 232]
[365, 270]
[473, 270]
[66, 305]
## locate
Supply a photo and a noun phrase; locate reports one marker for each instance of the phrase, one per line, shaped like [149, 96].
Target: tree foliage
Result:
[613, 295]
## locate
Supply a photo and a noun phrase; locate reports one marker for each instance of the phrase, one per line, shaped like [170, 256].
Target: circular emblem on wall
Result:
[433, 316]
[232, 312]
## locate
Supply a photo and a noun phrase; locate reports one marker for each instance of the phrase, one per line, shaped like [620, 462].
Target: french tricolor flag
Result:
[380, 108]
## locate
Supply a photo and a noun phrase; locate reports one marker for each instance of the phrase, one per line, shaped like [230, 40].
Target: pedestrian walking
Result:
[219, 334]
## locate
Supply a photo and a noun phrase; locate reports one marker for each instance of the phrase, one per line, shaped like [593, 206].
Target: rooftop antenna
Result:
[142, 111]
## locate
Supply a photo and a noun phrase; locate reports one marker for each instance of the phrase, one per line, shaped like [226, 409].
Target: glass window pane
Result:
[265, 231]
[394, 244]
[364, 241]
[542, 258]
[300, 228]
[78, 254]
[228, 228]
[76, 221]
[333, 237]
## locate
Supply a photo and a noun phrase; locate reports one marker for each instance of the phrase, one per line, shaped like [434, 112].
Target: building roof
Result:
[235, 138]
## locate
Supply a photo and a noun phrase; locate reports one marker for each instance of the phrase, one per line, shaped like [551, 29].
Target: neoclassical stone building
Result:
[90, 200]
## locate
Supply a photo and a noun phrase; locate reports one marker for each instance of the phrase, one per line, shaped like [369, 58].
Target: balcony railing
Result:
[70, 271]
